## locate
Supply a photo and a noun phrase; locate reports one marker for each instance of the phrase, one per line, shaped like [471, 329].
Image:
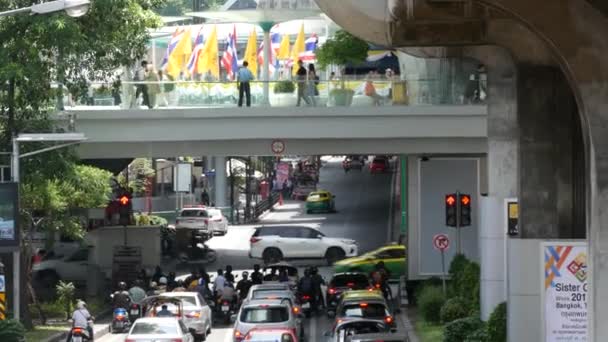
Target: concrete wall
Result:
[429, 182]
[104, 239]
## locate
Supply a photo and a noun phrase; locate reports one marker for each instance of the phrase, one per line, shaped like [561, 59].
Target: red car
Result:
[379, 165]
[271, 334]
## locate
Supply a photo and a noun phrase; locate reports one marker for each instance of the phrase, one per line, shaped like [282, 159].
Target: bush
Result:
[11, 331]
[456, 272]
[469, 285]
[65, 293]
[479, 335]
[497, 324]
[430, 300]
[284, 87]
[458, 330]
[453, 309]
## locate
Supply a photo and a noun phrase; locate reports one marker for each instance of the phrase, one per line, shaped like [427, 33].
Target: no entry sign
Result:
[441, 242]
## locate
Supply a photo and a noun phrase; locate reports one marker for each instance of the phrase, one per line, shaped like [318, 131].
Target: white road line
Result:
[228, 337]
[391, 207]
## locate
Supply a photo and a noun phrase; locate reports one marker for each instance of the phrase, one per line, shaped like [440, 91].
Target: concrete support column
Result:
[220, 182]
[502, 167]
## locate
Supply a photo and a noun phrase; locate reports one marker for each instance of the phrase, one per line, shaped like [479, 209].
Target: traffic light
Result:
[450, 210]
[124, 210]
[465, 210]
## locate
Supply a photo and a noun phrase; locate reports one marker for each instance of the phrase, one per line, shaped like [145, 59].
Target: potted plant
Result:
[341, 49]
[283, 94]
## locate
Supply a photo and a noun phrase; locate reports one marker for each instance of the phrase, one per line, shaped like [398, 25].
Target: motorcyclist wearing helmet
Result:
[380, 276]
[306, 287]
[228, 274]
[162, 285]
[244, 285]
[317, 281]
[121, 298]
[80, 319]
[257, 277]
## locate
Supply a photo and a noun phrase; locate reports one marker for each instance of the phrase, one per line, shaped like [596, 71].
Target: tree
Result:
[341, 49]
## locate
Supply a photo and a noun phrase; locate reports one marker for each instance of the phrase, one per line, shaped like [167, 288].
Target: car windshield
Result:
[187, 300]
[350, 280]
[315, 197]
[265, 314]
[154, 328]
[191, 213]
[365, 310]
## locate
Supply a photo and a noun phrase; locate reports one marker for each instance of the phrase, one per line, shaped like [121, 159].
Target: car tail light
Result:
[350, 285]
[332, 291]
[296, 309]
[238, 335]
[305, 297]
[193, 314]
[254, 239]
[363, 305]
[388, 319]
[377, 285]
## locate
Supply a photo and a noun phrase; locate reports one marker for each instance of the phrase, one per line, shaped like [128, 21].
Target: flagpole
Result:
[266, 67]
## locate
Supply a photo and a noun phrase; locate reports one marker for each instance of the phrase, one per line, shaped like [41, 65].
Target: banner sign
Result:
[564, 291]
[9, 214]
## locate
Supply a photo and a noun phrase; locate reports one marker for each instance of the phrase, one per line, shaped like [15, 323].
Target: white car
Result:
[71, 266]
[159, 329]
[275, 243]
[196, 312]
[205, 219]
[260, 314]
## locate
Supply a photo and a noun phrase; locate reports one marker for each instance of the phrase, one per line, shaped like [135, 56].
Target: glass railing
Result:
[204, 94]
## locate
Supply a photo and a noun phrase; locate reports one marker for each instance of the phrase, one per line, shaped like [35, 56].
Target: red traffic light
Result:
[465, 199]
[450, 200]
[124, 200]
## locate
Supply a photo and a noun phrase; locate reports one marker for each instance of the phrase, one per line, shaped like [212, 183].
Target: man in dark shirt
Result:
[257, 277]
[301, 78]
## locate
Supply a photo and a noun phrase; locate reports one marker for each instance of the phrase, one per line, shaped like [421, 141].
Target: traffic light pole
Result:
[458, 242]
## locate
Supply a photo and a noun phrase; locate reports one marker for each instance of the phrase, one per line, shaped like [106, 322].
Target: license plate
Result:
[225, 308]
[119, 324]
[76, 338]
[134, 312]
[306, 306]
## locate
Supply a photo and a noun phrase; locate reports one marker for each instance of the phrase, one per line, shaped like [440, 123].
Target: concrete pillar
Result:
[220, 182]
[501, 178]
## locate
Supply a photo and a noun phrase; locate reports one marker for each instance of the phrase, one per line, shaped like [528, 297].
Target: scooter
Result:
[120, 321]
[225, 309]
[134, 312]
[199, 252]
[306, 303]
[79, 334]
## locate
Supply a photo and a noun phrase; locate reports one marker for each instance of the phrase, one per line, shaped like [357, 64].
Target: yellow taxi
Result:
[320, 201]
[364, 304]
[393, 257]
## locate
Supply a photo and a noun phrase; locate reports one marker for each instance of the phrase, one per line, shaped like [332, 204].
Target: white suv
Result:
[274, 243]
[208, 220]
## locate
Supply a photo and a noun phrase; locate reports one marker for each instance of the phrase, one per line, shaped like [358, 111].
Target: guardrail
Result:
[352, 92]
[265, 205]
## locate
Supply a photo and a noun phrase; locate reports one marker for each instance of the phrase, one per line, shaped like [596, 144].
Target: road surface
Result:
[363, 211]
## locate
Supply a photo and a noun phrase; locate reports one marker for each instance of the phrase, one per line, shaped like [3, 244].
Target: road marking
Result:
[391, 207]
[313, 328]
[228, 337]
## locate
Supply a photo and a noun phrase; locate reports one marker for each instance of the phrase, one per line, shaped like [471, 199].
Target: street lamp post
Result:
[66, 139]
[73, 8]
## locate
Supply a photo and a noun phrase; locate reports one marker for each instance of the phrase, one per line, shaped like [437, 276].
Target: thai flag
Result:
[310, 46]
[175, 38]
[230, 58]
[274, 61]
[275, 39]
[196, 53]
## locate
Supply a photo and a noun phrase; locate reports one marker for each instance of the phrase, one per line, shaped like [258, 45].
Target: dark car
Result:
[342, 282]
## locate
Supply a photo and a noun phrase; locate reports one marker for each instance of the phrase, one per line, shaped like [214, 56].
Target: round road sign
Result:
[278, 146]
[441, 242]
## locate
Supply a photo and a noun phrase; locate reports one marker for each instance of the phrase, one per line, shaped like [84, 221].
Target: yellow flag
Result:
[284, 48]
[209, 61]
[298, 48]
[251, 53]
[178, 58]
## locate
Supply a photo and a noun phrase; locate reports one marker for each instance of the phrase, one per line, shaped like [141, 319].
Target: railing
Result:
[201, 94]
[266, 204]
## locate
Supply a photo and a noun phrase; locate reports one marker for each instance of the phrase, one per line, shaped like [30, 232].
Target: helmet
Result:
[122, 285]
[80, 304]
[153, 284]
[314, 270]
[162, 281]
[245, 274]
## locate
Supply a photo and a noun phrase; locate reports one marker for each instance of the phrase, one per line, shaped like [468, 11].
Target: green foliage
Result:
[479, 335]
[497, 324]
[458, 330]
[140, 171]
[430, 300]
[180, 7]
[11, 331]
[453, 309]
[284, 86]
[66, 295]
[91, 187]
[457, 265]
[469, 285]
[149, 220]
[341, 49]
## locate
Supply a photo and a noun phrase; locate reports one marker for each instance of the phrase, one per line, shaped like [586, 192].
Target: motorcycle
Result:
[306, 304]
[199, 252]
[79, 334]
[134, 312]
[225, 309]
[120, 321]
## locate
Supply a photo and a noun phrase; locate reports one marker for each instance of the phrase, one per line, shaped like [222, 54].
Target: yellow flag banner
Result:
[298, 48]
[251, 53]
[284, 48]
[178, 58]
[209, 61]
